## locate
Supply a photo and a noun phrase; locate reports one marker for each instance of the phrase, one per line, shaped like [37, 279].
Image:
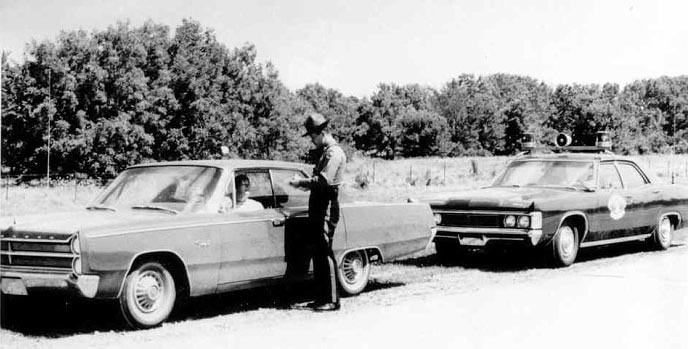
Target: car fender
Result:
[150, 252]
[574, 214]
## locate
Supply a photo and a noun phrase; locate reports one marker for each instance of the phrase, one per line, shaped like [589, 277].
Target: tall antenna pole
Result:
[50, 119]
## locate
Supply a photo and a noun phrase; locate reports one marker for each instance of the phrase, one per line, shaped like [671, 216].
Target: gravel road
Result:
[621, 297]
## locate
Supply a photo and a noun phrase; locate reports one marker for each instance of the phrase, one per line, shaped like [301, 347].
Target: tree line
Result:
[127, 95]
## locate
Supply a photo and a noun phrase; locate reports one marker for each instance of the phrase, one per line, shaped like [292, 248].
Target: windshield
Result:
[165, 188]
[556, 173]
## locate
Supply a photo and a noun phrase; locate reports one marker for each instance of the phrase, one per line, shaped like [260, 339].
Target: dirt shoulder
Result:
[623, 296]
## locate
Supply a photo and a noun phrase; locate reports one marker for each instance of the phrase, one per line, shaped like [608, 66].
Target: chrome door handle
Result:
[278, 222]
[202, 243]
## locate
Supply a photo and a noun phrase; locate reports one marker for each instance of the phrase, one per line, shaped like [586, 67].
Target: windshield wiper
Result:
[100, 207]
[154, 207]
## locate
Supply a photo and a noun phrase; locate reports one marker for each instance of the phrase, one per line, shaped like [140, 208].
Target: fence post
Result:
[75, 185]
[410, 173]
[444, 176]
[373, 170]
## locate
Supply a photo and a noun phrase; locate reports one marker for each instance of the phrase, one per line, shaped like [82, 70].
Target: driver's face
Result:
[243, 187]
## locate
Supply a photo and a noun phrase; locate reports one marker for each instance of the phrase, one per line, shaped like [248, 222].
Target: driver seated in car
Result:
[243, 202]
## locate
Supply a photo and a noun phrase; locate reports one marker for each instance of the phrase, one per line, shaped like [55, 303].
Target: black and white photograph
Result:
[343, 174]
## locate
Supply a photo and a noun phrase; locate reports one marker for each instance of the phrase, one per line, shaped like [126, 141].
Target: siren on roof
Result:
[603, 140]
[527, 141]
[562, 140]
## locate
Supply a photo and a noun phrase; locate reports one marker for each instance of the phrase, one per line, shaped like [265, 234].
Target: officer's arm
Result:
[326, 175]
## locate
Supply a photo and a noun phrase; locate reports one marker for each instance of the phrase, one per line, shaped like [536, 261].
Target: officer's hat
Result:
[315, 123]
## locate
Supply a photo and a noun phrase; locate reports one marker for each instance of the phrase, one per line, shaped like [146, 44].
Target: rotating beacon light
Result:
[527, 141]
[603, 140]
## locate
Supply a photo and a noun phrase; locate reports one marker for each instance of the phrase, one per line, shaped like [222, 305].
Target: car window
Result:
[285, 194]
[260, 186]
[180, 188]
[630, 175]
[548, 173]
[609, 177]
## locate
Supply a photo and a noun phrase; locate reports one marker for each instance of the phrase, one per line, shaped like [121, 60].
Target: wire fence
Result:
[372, 179]
[456, 171]
[75, 183]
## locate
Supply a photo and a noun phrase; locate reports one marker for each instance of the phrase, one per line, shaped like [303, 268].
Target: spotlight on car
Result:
[509, 221]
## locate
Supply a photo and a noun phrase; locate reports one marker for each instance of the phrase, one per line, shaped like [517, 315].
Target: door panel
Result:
[639, 196]
[610, 220]
[253, 246]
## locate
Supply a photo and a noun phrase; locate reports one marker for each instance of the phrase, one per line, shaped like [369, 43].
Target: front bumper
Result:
[479, 237]
[23, 282]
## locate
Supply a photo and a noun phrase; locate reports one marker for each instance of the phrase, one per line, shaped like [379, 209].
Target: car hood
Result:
[64, 224]
[503, 198]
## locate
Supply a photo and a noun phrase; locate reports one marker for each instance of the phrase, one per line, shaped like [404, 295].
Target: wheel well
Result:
[674, 219]
[580, 223]
[374, 254]
[173, 264]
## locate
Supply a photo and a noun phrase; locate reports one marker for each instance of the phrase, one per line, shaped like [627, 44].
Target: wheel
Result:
[565, 246]
[661, 238]
[353, 272]
[448, 251]
[148, 296]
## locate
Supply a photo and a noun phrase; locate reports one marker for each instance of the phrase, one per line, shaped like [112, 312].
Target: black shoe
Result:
[307, 306]
[327, 307]
[315, 304]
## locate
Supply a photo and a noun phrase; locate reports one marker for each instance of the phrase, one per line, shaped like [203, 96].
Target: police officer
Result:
[323, 210]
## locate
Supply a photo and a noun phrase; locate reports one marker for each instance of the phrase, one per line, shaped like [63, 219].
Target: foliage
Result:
[125, 95]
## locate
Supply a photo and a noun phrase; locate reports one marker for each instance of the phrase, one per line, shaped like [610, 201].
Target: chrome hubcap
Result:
[148, 290]
[665, 231]
[352, 267]
[566, 242]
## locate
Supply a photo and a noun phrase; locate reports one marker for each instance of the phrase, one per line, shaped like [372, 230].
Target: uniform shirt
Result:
[329, 171]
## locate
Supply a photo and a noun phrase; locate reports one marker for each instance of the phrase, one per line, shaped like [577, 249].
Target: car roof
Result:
[227, 164]
[574, 156]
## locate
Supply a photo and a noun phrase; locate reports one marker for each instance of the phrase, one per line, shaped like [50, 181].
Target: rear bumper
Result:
[23, 283]
[479, 237]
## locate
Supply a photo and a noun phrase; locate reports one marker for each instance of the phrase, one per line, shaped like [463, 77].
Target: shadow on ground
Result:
[52, 317]
[510, 260]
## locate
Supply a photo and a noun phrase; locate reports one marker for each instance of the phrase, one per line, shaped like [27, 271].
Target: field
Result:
[366, 179]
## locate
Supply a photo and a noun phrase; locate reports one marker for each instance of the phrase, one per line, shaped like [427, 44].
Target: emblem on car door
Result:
[617, 206]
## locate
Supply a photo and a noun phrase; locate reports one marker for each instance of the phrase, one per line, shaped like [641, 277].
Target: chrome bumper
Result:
[20, 283]
[481, 236]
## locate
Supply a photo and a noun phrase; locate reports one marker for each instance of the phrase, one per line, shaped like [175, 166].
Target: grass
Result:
[366, 180]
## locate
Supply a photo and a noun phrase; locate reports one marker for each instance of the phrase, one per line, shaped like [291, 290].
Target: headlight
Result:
[438, 218]
[523, 221]
[76, 265]
[509, 221]
[76, 248]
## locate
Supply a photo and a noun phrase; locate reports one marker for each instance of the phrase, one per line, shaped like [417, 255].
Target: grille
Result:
[36, 253]
[472, 220]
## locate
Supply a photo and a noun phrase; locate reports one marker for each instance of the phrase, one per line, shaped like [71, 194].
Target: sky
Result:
[354, 45]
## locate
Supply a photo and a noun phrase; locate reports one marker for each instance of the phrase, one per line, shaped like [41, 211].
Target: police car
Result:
[561, 199]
